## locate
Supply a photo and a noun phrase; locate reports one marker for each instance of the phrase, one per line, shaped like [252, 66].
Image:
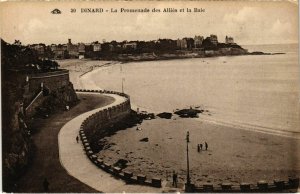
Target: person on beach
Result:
[198, 147]
[46, 185]
[77, 138]
[174, 179]
[206, 145]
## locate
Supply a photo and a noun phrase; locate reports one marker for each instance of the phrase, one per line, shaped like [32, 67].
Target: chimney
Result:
[69, 40]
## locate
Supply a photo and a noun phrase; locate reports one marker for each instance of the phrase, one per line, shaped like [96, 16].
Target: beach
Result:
[235, 153]
[80, 68]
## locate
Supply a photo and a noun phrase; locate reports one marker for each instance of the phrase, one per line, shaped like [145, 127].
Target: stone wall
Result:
[99, 121]
[54, 83]
[51, 80]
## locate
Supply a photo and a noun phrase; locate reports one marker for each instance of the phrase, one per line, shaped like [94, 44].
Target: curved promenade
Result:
[74, 160]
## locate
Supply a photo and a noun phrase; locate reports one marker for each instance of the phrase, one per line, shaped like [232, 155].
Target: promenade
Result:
[45, 162]
[76, 163]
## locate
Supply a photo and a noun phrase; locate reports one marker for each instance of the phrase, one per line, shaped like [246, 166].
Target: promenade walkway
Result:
[76, 163]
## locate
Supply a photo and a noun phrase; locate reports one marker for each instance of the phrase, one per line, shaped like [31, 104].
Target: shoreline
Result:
[253, 128]
[142, 58]
[86, 82]
[244, 160]
[232, 156]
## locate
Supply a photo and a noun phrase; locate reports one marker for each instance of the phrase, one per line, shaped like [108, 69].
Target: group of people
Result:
[200, 146]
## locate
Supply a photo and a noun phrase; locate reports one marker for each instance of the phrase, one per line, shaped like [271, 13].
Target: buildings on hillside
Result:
[198, 41]
[130, 45]
[98, 50]
[59, 52]
[40, 48]
[72, 50]
[96, 46]
[181, 43]
[214, 39]
[229, 40]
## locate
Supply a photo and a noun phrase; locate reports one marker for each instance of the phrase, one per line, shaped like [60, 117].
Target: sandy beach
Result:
[234, 155]
[81, 70]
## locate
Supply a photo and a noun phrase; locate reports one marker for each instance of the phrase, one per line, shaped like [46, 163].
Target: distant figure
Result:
[67, 108]
[77, 138]
[174, 179]
[46, 184]
[200, 146]
[206, 146]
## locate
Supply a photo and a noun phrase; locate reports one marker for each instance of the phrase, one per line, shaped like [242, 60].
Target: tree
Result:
[47, 65]
[207, 44]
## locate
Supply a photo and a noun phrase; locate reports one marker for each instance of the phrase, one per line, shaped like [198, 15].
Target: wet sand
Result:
[81, 70]
[234, 155]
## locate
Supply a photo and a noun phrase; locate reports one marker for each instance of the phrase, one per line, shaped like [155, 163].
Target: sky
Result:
[248, 22]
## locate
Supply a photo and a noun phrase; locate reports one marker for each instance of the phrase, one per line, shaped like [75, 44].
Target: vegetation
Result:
[17, 147]
[19, 57]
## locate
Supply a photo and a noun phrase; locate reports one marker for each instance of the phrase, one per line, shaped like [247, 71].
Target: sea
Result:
[253, 92]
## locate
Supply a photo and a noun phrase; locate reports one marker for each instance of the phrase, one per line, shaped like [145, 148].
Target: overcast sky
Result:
[248, 22]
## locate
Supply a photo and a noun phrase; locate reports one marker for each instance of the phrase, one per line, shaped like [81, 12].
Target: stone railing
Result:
[262, 186]
[97, 122]
[58, 72]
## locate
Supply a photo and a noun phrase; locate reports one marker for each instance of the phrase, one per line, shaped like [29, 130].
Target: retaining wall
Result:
[99, 120]
[53, 80]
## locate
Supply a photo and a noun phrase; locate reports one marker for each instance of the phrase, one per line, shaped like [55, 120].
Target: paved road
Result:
[74, 160]
[45, 162]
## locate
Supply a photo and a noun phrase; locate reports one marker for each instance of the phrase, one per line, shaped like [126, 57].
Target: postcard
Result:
[150, 96]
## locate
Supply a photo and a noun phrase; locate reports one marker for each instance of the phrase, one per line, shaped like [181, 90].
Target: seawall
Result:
[106, 117]
[99, 122]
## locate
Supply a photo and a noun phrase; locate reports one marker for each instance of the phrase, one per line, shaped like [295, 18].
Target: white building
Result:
[198, 41]
[132, 45]
[229, 40]
[96, 47]
[182, 43]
